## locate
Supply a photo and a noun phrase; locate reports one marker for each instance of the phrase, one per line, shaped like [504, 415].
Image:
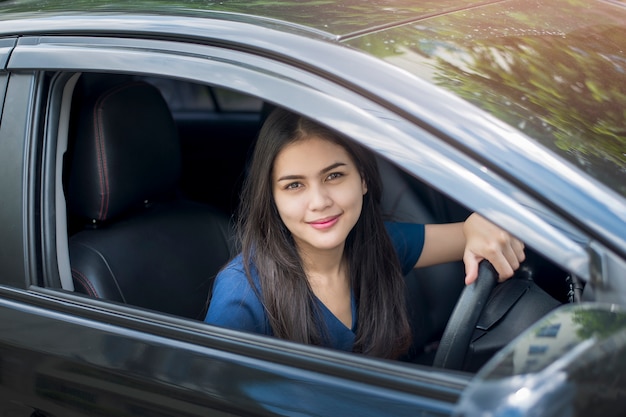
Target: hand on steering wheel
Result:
[485, 240]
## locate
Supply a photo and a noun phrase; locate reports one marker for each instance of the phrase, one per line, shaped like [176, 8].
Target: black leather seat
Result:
[142, 244]
[432, 291]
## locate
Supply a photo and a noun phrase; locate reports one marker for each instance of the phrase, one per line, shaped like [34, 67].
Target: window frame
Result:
[19, 127]
[329, 102]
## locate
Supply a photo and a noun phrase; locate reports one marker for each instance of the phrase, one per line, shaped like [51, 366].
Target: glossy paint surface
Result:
[571, 362]
[59, 359]
[340, 18]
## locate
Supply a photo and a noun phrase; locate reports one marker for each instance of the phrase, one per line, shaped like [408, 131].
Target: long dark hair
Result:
[374, 269]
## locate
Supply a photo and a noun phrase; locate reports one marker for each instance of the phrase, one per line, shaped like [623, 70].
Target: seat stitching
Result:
[108, 267]
[82, 279]
[103, 171]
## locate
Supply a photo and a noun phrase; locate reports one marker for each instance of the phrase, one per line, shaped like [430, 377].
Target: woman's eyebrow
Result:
[331, 167]
[290, 177]
[323, 171]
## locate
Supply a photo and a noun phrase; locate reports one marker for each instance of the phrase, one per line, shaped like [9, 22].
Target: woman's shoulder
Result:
[235, 303]
[234, 274]
[235, 265]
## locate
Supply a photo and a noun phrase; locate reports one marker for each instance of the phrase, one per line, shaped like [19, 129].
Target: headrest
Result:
[126, 152]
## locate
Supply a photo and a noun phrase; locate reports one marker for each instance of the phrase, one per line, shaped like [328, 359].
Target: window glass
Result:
[551, 330]
[537, 349]
[229, 100]
[184, 96]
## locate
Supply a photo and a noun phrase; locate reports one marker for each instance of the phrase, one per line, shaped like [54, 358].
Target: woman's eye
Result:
[293, 186]
[334, 175]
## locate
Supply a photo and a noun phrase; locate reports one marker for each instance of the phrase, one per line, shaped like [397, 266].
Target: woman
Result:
[318, 264]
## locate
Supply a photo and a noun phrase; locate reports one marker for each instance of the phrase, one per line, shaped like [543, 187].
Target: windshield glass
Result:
[554, 70]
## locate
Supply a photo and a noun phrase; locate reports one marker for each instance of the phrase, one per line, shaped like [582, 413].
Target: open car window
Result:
[187, 174]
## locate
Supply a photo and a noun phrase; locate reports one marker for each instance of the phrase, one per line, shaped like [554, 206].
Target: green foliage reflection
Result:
[560, 79]
[598, 323]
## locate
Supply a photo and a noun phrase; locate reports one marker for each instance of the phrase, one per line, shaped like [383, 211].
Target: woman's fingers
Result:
[471, 267]
[484, 240]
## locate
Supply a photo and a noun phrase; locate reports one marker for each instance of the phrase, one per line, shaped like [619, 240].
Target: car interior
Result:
[151, 178]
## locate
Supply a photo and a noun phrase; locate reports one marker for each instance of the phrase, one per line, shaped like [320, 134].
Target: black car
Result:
[125, 134]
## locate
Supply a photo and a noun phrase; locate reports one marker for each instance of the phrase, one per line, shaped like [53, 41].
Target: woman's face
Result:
[318, 191]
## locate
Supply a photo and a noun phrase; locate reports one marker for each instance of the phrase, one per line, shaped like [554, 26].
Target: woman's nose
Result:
[320, 198]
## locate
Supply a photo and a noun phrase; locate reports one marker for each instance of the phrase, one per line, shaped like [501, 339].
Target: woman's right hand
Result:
[485, 240]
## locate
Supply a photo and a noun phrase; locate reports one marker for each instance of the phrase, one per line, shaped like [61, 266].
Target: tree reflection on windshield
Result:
[561, 79]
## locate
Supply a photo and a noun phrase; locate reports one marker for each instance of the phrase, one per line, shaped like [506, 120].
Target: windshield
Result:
[556, 71]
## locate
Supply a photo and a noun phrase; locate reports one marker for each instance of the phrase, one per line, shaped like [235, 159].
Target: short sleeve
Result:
[408, 240]
[234, 303]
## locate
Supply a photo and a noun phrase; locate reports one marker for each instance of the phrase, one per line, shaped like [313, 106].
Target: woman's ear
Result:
[363, 185]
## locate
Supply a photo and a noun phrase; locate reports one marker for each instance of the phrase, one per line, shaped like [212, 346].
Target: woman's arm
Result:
[472, 241]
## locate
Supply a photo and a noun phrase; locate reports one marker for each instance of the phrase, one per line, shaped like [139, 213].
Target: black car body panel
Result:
[6, 46]
[13, 159]
[336, 19]
[123, 365]
[482, 102]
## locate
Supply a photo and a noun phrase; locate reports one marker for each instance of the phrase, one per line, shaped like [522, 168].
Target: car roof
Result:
[336, 18]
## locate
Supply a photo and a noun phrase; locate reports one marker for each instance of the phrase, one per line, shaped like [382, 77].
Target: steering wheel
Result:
[458, 333]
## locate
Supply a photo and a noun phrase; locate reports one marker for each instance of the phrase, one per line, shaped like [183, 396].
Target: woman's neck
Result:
[327, 274]
[324, 267]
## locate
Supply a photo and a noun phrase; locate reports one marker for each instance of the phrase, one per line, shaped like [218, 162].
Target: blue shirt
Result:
[235, 303]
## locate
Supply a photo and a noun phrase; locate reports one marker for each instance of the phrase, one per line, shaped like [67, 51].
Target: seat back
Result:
[141, 244]
[432, 292]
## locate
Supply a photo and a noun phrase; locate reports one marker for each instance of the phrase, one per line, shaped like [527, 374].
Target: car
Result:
[125, 134]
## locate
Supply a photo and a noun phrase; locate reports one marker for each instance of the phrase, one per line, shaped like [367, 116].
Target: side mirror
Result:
[572, 362]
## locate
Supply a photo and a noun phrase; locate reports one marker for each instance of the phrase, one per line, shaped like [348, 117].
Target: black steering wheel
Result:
[458, 333]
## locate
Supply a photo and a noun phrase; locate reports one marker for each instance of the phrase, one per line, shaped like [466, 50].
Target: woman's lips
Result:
[324, 223]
